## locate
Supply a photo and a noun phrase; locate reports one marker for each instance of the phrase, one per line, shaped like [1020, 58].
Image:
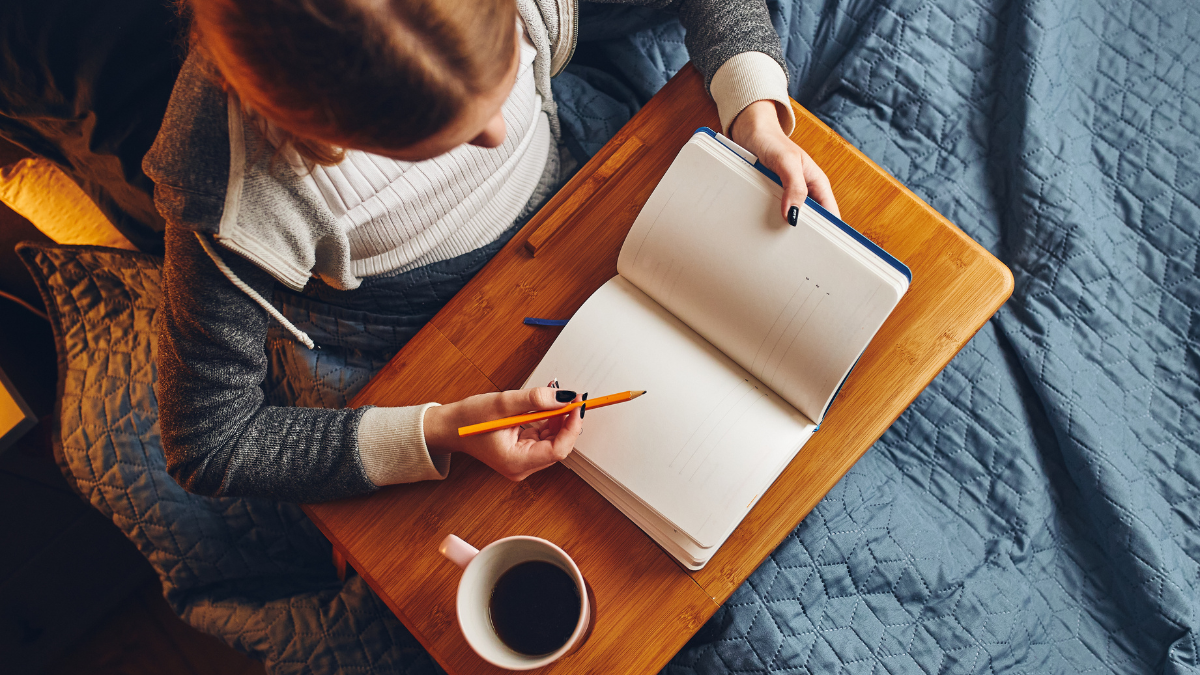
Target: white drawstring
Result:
[245, 288]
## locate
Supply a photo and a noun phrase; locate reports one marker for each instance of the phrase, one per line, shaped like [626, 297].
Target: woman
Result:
[356, 161]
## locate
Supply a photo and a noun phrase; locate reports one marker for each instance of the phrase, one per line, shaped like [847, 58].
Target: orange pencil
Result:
[518, 420]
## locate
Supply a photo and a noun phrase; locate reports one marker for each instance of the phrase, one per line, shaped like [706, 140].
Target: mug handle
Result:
[458, 551]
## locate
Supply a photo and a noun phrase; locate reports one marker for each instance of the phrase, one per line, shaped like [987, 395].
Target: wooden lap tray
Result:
[647, 605]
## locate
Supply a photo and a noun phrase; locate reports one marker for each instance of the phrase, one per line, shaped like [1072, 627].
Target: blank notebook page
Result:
[706, 437]
[795, 306]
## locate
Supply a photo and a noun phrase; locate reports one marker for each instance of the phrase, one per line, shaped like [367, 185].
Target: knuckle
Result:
[535, 396]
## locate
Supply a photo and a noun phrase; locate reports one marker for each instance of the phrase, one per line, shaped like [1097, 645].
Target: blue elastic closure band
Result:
[531, 321]
[838, 222]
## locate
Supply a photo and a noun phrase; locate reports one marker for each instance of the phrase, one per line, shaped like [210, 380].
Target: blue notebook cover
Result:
[855, 234]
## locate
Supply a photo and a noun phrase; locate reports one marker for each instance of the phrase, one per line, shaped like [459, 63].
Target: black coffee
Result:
[534, 607]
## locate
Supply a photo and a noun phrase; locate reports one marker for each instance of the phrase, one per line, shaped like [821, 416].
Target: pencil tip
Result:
[636, 394]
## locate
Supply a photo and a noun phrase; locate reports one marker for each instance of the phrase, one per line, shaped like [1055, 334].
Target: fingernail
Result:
[554, 383]
[793, 215]
[564, 396]
[583, 408]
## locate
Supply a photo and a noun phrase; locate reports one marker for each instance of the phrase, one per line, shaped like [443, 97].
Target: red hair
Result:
[354, 73]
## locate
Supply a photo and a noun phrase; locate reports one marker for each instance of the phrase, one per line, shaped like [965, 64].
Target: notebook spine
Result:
[854, 234]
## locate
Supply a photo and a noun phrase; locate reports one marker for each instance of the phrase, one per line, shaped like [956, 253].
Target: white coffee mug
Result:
[482, 569]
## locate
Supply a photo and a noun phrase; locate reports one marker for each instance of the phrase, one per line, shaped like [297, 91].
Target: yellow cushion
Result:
[41, 193]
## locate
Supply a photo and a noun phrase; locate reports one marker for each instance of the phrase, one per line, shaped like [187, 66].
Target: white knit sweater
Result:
[401, 215]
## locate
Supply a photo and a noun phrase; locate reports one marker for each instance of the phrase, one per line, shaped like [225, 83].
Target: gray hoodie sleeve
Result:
[218, 436]
[718, 30]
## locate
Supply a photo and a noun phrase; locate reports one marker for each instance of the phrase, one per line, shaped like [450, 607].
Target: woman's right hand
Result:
[757, 129]
[513, 453]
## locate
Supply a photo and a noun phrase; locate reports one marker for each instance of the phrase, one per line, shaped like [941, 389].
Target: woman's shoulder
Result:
[189, 160]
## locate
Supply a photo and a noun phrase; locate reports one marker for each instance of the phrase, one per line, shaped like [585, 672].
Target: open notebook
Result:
[740, 328]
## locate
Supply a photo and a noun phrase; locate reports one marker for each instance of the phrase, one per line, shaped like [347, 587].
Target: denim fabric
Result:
[357, 332]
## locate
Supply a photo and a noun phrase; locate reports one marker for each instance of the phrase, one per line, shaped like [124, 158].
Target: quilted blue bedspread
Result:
[1036, 510]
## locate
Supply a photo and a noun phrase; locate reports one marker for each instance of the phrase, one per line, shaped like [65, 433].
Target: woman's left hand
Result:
[757, 129]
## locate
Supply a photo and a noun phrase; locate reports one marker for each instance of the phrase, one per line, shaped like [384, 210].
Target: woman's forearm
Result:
[219, 437]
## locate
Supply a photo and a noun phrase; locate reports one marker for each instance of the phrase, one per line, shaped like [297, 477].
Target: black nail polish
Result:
[583, 408]
[564, 396]
[793, 215]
